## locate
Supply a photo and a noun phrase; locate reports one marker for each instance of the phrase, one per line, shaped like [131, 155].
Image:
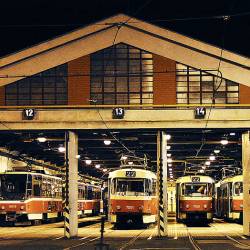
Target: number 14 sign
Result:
[200, 112]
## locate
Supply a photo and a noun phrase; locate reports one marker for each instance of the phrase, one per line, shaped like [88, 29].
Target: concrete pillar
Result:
[162, 183]
[73, 183]
[246, 182]
[5, 164]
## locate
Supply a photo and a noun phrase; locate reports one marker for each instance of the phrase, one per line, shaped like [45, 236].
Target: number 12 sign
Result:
[29, 114]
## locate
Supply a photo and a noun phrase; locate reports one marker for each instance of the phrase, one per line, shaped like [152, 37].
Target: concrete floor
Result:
[215, 236]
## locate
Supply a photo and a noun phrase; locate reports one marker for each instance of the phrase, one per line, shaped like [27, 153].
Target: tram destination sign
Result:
[195, 179]
[200, 113]
[118, 113]
[28, 114]
[130, 173]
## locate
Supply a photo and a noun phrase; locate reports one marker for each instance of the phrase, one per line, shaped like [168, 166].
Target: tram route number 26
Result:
[29, 114]
[118, 113]
[130, 174]
[200, 112]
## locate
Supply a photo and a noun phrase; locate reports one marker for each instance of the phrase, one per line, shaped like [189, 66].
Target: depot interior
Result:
[213, 152]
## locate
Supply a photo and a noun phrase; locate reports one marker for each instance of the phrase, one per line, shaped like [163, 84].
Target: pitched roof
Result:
[129, 30]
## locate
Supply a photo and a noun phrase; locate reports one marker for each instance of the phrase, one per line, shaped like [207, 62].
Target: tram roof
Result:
[188, 179]
[139, 173]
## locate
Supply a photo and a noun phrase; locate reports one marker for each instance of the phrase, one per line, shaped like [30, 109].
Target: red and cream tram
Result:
[33, 197]
[132, 196]
[229, 198]
[194, 198]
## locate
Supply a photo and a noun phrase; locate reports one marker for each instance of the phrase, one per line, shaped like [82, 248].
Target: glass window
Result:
[125, 75]
[238, 188]
[212, 89]
[39, 88]
[197, 189]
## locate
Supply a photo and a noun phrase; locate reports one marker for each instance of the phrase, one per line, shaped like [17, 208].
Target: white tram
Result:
[194, 198]
[34, 197]
[132, 196]
[229, 198]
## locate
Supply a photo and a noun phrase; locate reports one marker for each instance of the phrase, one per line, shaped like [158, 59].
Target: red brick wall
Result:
[164, 83]
[2, 96]
[79, 86]
[244, 95]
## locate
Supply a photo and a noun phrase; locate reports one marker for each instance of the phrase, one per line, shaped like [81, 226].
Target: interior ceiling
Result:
[190, 148]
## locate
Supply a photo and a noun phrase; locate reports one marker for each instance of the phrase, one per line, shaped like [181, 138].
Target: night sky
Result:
[26, 23]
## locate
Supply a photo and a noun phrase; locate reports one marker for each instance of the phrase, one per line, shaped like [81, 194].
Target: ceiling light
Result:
[124, 157]
[41, 139]
[216, 151]
[105, 170]
[88, 162]
[232, 133]
[207, 163]
[78, 156]
[201, 171]
[168, 137]
[168, 147]
[169, 160]
[170, 169]
[61, 149]
[130, 163]
[170, 164]
[224, 142]
[168, 155]
[97, 165]
[203, 167]
[171, 180]
[107, 142]
[211, 157]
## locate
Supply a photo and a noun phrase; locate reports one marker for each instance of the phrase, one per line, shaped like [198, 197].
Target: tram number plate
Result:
[195, 179]
[130, 174]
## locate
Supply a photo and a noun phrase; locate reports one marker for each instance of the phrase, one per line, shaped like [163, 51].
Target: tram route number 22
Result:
[130, 174]
[28, 114]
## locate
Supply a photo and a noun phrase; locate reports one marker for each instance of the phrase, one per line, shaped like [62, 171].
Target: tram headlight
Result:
[205, 205]
[22, 208]
[118, 207]
[241, 205]
[187, 206]
[2, 207]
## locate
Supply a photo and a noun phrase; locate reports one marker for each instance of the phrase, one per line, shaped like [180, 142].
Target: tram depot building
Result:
[158, 77]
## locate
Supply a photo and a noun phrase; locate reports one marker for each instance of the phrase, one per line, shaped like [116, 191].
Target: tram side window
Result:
[147, 187]
[37, 185]
[81, 191]
[153, 187]
[230, 188]
[238, 188]
[89, 193]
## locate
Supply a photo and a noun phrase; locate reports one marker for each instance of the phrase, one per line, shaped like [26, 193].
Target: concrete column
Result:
[246, 182]
[165, 180]
[73, 183]
[162, 183]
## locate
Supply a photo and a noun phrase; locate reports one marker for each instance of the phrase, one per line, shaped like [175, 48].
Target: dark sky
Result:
[25, 23]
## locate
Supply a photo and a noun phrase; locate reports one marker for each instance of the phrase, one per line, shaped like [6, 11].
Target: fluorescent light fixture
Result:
[232, 134]
[169, 160]
[170, 164]
[170, 169]
[224, 142]
[97, 165]
[88, 162]
[168, 147]
[216, 151]
[61, 149]
[105, 170]
[41, 139]
[130, 163]
[211, 157]
[124, 157]
[168, 155]
[107, 142]
[78, 156]
[207, 163]
[168, 137]
[203, 167]
[201, 171]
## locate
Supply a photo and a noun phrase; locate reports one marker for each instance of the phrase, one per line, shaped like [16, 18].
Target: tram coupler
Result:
[101, 245]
